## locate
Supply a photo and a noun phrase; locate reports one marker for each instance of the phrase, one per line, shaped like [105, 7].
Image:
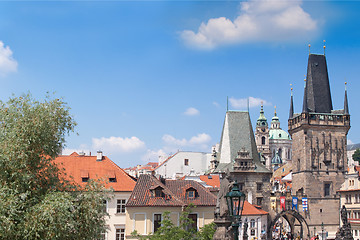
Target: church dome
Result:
[278, 133]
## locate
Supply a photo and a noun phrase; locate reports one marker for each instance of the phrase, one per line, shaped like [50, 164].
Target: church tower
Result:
[319, 160]
[262, 139]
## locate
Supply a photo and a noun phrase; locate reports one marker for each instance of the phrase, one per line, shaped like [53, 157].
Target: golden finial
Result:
[324, 47]
[345, 86]
[291, 89]
[275, 109]
[309, 48]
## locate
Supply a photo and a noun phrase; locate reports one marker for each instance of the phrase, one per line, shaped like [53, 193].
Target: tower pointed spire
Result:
[318, 96]
[346, 106]
[262, 121]
[305, 106]
[291, 112]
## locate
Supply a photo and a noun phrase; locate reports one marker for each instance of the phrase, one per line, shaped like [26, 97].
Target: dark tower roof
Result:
[291, 112]
[317, 96]
[346, 106]
[305, 106]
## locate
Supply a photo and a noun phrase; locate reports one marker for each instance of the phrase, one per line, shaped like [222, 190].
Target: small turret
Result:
[346, 106]
[291, 112]
[262, 121]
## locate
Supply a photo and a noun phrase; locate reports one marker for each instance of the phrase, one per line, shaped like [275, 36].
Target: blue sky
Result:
[148, 78]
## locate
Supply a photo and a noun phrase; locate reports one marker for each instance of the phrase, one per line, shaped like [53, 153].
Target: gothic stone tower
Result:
[239, 157]
[319, 148]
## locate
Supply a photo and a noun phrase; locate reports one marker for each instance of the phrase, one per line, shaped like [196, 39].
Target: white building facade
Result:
[183, 164]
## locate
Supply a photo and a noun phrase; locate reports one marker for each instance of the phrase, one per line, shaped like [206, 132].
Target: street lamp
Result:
[235, 201]
[322, 231]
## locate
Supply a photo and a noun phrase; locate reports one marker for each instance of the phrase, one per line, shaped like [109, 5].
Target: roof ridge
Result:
[166, 160]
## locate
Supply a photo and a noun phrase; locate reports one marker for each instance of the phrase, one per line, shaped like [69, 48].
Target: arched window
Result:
[263, 140]
[252, 223]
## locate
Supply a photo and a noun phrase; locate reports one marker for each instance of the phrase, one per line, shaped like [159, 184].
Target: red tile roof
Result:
[78, 166]
[174, 193]
[252, 210]
[212, 180]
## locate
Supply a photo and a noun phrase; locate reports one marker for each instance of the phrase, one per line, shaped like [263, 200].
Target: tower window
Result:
[327, 189]
[263, 140]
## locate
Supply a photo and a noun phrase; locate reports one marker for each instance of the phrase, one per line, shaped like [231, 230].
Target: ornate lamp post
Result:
[322, 231]
[235, 201]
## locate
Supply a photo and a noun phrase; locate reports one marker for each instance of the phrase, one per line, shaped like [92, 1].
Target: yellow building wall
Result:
[141, 218]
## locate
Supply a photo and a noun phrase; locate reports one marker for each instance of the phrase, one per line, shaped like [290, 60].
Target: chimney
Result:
[99, 156]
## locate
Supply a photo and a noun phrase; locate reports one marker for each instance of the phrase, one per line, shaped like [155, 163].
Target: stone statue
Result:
[245, 235]
[343, 213]
[344, 233]
[222, 219]
[221, 209]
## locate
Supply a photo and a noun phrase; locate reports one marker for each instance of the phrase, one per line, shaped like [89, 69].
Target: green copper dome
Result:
[278, 134]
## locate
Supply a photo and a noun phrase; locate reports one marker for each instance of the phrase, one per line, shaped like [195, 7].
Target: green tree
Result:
[168, 230]
[356, 155]
[36, 201]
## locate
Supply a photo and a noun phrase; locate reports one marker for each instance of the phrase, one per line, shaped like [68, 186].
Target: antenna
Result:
[248, 104]
[227, 103]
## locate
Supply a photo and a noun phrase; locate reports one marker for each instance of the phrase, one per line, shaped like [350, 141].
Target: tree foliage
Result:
[168, 230]
[36, 200]
[356, 155]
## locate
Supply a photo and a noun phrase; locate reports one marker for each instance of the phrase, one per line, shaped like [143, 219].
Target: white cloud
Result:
[191, 111]
[7, 62]
[216, 104]
[198, 142]
[154, 156]
[118, 144]
[242, 102]
[262, 21]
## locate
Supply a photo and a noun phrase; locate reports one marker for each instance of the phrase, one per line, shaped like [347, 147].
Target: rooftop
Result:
[79, 167]
[150, 191]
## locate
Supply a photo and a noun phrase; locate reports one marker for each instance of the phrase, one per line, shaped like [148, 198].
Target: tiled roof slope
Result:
[237, 134]
[174, 193]
[250, 209]
[77, 166]
[212, 180]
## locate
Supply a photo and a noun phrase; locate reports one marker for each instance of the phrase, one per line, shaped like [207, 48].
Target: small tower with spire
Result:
[262, 138]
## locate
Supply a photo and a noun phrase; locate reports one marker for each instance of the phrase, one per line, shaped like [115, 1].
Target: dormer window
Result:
[158, 192]
[111, 175]
[112, 179]
[191, 193]
[84, 175]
